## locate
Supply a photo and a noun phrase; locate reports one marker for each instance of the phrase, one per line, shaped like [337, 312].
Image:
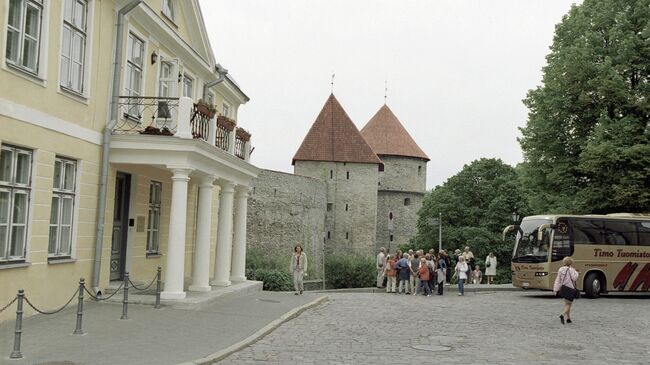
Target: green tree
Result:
[476, 204]
[586, 144]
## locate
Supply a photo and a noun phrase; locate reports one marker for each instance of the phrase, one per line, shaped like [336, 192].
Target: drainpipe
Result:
[222, 76]
[117, 75]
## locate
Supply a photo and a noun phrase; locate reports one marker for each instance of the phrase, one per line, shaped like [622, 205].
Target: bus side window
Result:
[588, 232]
[621, 233]
[644, 233]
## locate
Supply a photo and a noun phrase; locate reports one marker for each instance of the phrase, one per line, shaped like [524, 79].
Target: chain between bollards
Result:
[125, 301]
[16, 354]
[80, 308]
[158, 284]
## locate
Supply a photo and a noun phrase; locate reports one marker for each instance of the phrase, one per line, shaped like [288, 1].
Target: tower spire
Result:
[332, 82]
[385, 91]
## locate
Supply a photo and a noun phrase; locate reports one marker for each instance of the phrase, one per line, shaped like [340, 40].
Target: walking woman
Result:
[461, 272]
[442, 270]
[566, 276]
[298, 268]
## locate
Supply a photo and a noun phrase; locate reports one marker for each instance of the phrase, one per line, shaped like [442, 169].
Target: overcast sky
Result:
[456, 70]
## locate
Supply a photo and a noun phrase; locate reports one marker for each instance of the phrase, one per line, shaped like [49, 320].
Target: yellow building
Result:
[166, 177]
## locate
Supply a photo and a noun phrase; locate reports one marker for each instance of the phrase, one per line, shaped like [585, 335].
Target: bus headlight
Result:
[541, 273]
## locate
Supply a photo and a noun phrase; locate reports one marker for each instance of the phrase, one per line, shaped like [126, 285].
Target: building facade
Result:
[110, 163]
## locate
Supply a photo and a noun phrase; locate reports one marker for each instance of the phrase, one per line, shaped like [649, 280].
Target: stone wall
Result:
[405, 217]
[283, 210]
[351, 203]
[402, 185]
[403, 174]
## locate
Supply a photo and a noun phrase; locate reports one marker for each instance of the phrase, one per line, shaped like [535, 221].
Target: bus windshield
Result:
[527, 247]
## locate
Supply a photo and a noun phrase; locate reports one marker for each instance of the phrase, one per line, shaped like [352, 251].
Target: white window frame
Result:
[225, 109]
[19, 62]
[73, 28]
[154, 211]
[12, 188]
[60, 192]
[188, 92]
[169, 9]
[129, 66]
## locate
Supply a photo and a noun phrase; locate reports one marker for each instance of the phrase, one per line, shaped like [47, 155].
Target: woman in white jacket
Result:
[461, 272]
[298, 268]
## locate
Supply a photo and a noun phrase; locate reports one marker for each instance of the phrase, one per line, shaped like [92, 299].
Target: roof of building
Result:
[333, 137]
[387, 136]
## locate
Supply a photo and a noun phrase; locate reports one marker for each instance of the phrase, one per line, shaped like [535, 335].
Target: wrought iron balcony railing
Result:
[182, 118]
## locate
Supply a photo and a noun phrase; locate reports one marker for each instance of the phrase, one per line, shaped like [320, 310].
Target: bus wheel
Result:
[593, 285]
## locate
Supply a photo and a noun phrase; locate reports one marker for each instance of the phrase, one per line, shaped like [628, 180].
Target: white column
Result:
[175, 269]
[212, 130]
[224, 235]
[238, 272]
[183, 116]
[231, 141]
[201, 267]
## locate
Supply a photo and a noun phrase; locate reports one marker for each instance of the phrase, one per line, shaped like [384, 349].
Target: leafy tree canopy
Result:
[476, 204]
[586, 144]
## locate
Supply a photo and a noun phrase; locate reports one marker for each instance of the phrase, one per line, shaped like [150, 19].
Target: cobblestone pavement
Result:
[480, 328]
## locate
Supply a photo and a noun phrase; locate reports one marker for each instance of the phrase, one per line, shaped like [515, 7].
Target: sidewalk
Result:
[152, 336]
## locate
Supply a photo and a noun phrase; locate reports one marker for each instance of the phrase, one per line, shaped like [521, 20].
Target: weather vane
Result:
[332, 83]
[385, 91]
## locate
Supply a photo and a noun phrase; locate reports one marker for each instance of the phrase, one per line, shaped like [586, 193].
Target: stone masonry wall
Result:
[283, 210]
[402, 185]
[351, 203]
[403, 174]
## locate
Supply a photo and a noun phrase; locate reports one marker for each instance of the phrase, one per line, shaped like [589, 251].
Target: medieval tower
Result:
[335, 152]
[402, 183]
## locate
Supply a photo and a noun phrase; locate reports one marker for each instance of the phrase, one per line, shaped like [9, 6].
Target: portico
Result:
[198, 172]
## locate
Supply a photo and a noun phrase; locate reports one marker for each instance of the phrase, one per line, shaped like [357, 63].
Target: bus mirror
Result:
[540, 231]
[506, 230]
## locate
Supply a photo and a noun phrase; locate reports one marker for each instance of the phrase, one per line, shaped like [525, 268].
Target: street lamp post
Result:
[438, 221]
[515, 217]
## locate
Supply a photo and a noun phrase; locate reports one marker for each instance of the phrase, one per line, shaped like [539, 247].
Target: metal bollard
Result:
[16, 354]
[157, 306]
[80, 308]
[125, 301]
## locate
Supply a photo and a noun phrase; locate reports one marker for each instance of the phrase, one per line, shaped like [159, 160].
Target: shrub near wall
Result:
[272, 270]
[350, 271]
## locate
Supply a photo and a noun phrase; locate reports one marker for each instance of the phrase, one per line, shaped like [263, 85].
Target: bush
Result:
[274, 280]
[350, 271]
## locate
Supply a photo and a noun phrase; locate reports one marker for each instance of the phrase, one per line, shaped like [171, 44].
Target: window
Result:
[419, 170]
[134, 66]
[621, 233]
[225, 110]
[347, 175]
[328, 235]
[329, 207]
[153, 225]
[331, 174]
[73, 45]
[644, 233]
[166, 80]
[168, 9]
[407, 201]
[588, 232]
[15, 187]
[391, 238]
[188, 86]
[61, 211]
[24, 33]
[346, 207]
[347, 235]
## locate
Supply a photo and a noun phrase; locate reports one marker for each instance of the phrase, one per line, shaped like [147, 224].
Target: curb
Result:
[469, 288]
[219, 355]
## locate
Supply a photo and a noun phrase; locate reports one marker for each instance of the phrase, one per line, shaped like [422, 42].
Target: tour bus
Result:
[611, 252]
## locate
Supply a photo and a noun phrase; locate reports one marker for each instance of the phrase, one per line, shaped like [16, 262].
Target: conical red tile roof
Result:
[387, 136]
[333, 137]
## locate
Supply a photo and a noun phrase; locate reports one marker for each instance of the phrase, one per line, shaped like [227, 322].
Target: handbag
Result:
[487, 263]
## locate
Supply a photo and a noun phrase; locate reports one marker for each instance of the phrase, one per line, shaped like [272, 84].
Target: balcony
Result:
[181, 118]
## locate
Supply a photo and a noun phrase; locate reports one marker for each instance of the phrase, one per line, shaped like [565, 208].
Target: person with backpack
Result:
[423, 272]
[389, 273]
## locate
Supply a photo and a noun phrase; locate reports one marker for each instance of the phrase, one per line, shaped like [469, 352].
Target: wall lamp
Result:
[154, 57]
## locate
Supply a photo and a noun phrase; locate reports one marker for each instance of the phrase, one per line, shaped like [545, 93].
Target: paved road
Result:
[479, 328]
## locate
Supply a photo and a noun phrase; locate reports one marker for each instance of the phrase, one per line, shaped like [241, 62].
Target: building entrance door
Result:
[120, 225]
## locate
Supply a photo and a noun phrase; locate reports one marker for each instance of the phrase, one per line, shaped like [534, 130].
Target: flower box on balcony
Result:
[205, 110]
[243, 134]
[226, 123]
